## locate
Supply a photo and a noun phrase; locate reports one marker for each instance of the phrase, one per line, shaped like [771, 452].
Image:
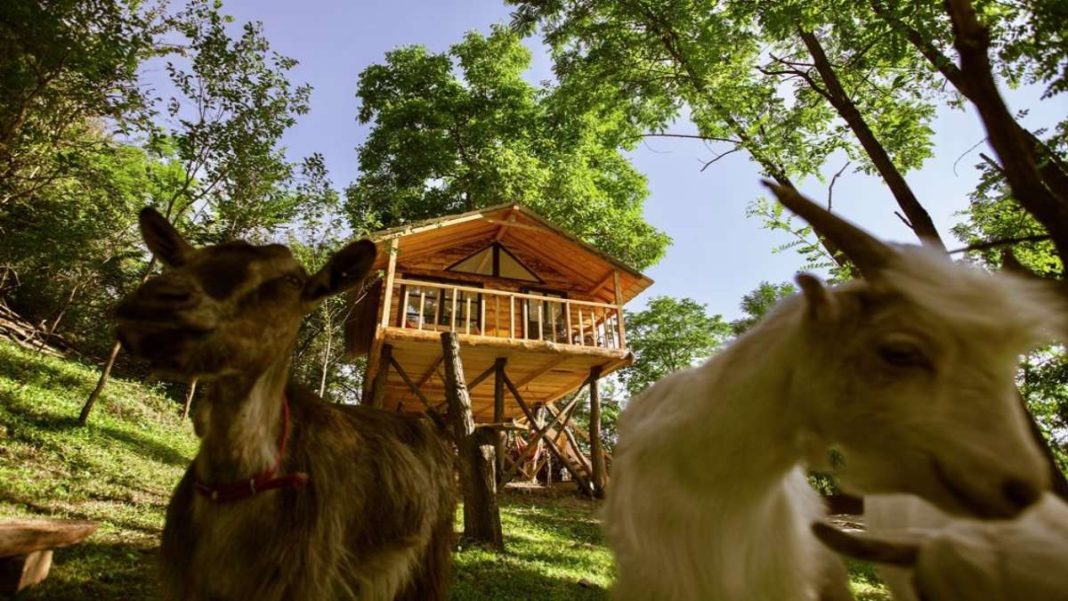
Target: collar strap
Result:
[263, 481]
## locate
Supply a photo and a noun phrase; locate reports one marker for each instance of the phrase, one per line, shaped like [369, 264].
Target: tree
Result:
[65, 64]
[669, 335]
[233, 103]
[756, 304]
[463, 130]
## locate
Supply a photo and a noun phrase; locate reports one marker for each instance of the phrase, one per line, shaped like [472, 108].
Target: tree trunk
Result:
[105, 373]
[498, 414]
[596, 449]
[1053, 171]
[1014, 150]
[774, 170]
[326, 358]
[482, 518]
[190, 393]
[918, 217]
[83, 418]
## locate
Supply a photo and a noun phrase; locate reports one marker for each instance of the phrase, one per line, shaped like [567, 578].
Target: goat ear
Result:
[346, 268]
[162, 239]
[901, 550]
[819, 302]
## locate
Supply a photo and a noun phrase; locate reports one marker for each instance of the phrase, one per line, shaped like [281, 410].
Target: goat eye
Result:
[900, 353]
[294, 281]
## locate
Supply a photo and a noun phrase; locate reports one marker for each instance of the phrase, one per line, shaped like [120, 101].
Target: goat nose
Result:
[168, 293]
[1020, 494]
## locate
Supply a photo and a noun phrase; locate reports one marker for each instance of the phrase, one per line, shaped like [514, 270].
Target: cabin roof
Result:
[519, 227]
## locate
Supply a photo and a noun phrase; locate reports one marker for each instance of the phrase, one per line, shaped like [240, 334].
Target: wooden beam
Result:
[480, 378]
[584, 484]
[533, 346]
[596, 449]
[482, 518]
[391, 271]
[539, 433]
[429, 373]
[541, 371]
[603, 282]
[434, 415]
[373, 356]
[502, 426]
[516, 224]
[378, 397]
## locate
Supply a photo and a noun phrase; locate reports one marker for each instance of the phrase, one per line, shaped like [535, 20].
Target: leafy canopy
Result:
[669, 335]
[463, 130]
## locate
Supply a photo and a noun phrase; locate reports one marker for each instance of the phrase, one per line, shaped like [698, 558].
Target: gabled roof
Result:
[519, 227]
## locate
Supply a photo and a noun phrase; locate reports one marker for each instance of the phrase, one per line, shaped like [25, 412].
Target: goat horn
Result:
[867, 253]
[867, 547]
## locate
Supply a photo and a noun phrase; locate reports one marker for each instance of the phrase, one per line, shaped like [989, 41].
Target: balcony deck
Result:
[550, 344]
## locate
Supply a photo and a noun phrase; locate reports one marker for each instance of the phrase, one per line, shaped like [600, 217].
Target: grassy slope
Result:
[120, 470]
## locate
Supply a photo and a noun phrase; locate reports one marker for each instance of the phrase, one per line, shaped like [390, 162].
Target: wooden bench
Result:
[26, 549]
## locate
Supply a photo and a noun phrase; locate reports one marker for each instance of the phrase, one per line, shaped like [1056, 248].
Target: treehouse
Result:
[537, 312]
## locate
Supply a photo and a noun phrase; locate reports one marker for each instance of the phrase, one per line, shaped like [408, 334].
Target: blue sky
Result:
[718, 254]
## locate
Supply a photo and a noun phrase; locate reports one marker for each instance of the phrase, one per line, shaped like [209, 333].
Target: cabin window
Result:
[545, 319]
[435, 304]
[497, 261]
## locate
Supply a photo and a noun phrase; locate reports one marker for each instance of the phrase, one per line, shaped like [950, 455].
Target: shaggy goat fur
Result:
[708, 497]
[365, 505]
[928, 555]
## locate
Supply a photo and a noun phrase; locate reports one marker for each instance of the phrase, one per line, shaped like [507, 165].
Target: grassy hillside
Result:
[120, 470]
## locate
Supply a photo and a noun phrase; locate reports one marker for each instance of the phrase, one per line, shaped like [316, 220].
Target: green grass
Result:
[120, 470]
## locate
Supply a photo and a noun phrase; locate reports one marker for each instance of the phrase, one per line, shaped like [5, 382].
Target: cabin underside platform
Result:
[542, 372]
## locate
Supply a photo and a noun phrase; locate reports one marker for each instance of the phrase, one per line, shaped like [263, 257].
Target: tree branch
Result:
[1001, 242]
[1014, 150]
[692, 137]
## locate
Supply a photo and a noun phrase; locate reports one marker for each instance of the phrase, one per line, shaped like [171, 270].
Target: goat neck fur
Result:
[939, 558]
[707, 500]
[373, 523]
[909, 373]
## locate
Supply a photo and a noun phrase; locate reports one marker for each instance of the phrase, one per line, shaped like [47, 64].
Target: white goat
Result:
[951, 559]
[708, 497]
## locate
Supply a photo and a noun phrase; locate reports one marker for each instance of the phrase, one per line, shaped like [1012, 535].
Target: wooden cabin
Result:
[538, 312]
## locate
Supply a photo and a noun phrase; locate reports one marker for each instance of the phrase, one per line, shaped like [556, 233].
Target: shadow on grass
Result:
[40, 373]
[147, 447]
[488, 580]
[25, 417]
[66, 513]
[99, 571]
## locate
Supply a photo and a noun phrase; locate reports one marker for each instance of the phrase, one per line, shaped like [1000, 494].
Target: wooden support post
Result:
[596, 449]
[378, 396]
[482, 518]
[622, 340]
[498, 412]
[391, 271]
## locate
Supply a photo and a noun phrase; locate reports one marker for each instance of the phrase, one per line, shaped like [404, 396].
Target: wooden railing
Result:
[501, 314]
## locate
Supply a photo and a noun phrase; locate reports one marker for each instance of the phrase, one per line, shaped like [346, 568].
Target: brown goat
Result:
[289, 497]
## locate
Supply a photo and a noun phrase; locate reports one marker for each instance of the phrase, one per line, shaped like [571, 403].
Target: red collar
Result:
[266, 480]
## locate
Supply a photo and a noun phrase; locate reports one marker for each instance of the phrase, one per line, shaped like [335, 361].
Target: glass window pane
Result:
[479, 263]
[510, 268]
